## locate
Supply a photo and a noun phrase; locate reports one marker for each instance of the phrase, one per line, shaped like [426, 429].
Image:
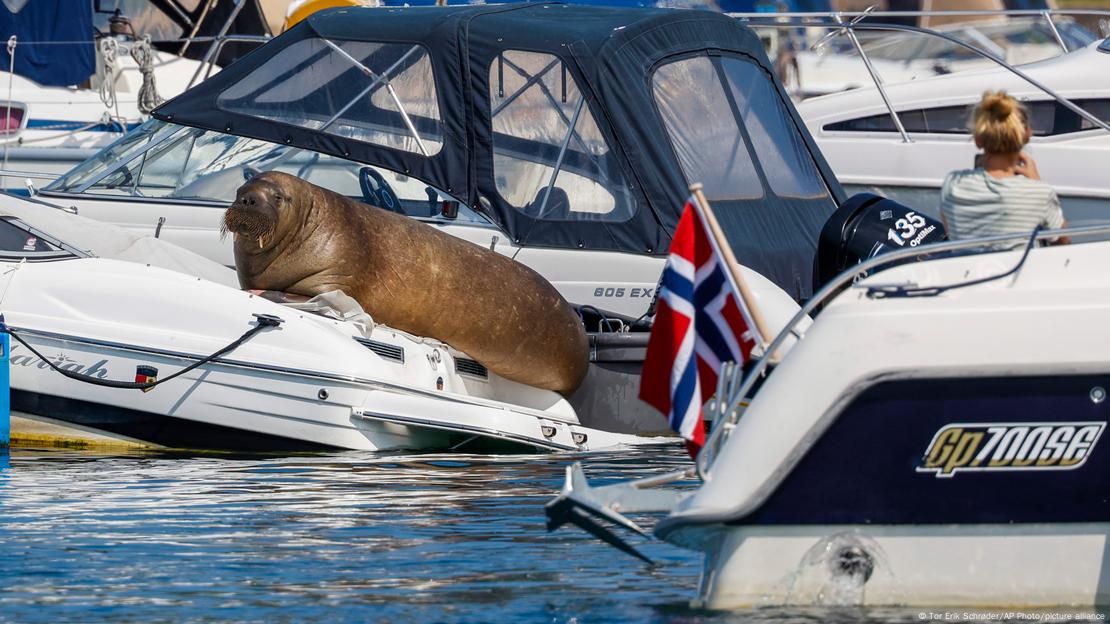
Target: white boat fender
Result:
[264, 321]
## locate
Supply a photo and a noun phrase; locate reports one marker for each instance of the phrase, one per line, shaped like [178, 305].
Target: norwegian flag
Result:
[700, 323]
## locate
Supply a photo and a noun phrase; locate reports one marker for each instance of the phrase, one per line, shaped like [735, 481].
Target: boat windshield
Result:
[1105, 45]
[166, 161]
[19, 241]
[1018, 40]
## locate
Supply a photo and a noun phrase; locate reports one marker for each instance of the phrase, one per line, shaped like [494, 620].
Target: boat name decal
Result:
[620, 291]
[995, 447]
[62, 361]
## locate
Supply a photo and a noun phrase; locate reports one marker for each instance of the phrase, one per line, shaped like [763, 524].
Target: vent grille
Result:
[470, 367]
[384, 349]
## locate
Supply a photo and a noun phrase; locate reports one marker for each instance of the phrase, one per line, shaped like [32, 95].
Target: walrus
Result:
[298, 238]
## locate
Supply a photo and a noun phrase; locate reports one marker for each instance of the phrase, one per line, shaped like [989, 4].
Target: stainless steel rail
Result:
[727, 408]
[951, 13]
[210, 56]
[29, 174]
[388, 87]
[804, 19]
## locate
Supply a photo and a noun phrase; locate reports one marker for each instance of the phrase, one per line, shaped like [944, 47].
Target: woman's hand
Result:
[1027, 167]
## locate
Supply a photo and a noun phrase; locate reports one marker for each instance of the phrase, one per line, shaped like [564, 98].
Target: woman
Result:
[1003, 194]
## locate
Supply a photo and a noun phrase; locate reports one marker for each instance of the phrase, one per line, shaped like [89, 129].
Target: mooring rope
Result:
[143, 54]
[109, 52]
[12, 43]
[264, 321]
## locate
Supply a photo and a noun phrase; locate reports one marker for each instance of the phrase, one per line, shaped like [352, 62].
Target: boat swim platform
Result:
[37, 432]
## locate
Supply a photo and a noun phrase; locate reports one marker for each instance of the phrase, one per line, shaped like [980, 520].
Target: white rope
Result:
[109, 52]
[12, 43]
[143, 54]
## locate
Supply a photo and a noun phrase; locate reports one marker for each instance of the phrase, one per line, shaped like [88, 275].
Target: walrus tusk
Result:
[260, 242]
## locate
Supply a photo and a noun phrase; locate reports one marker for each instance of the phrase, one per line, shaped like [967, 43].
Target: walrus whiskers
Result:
[252, 225]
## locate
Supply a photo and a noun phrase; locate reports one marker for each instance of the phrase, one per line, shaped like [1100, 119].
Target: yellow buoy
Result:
[300, 10]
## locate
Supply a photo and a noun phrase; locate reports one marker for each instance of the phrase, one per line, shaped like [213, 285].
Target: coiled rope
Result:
[109, 52]
[143, 54]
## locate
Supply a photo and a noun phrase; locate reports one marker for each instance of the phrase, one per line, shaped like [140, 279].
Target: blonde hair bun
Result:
[999, 123]
[998, 105]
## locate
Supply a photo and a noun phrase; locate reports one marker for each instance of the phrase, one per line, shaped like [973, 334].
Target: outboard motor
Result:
[867, 225]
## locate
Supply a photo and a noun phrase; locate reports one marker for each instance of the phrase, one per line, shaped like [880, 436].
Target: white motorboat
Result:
[583, 185]
[106, 307]
[946, 450]
[83, 82]
[905, 56]
[482, 146]
[862, 142]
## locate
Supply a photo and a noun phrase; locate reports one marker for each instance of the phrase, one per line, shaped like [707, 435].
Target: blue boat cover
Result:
[54, 38]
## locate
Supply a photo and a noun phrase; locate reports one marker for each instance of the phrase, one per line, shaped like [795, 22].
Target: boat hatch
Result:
[568, 126]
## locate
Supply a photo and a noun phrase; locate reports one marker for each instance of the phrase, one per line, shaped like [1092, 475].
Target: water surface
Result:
[343, 536]
[347, 536]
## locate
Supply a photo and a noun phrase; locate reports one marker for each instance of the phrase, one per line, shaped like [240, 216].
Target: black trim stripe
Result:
[159, 429]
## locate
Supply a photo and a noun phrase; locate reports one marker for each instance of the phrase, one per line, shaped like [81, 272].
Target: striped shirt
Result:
[975, 203]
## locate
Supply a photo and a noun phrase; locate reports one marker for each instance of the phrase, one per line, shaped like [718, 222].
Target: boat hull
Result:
[310, 382]
[952, 444]
[971, 566]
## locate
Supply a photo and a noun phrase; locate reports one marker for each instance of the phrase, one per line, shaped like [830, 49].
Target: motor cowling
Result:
[865, 226]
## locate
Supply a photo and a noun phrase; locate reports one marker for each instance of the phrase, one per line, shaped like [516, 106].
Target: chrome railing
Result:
[839, 26]
[735, 388]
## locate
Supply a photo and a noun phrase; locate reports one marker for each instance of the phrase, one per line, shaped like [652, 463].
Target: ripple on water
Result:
[157, 537]
[336, 537]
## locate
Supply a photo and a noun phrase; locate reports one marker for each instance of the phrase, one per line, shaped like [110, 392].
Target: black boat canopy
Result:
[569, 126]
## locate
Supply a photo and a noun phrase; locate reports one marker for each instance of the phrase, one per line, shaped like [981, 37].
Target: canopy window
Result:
[783, 154]
[378, 93]
[706, 136]
[732, 130]
[550, 159]
[721, 111]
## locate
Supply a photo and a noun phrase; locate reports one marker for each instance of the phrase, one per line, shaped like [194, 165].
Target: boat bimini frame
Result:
[583, 505]
[840, 27]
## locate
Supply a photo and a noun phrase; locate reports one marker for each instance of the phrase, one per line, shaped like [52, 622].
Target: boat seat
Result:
[557, 208]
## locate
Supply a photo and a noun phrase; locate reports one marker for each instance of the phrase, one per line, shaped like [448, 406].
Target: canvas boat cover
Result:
[51, 51]
[104, 240]
[568, 126]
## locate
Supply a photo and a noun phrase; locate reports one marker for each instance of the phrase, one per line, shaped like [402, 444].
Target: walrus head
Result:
[258, 207]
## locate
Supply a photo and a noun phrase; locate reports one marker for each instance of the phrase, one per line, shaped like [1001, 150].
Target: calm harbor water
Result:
[331, 537]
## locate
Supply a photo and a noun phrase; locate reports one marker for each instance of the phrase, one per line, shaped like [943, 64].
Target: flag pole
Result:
[733, 266]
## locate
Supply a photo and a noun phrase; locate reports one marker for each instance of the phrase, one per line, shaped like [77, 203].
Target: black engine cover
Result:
[867, 225]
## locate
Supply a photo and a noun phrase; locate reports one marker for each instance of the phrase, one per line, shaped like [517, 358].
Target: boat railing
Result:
[848, 22]
[217, 46]
[735, 388]
[11, 173]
